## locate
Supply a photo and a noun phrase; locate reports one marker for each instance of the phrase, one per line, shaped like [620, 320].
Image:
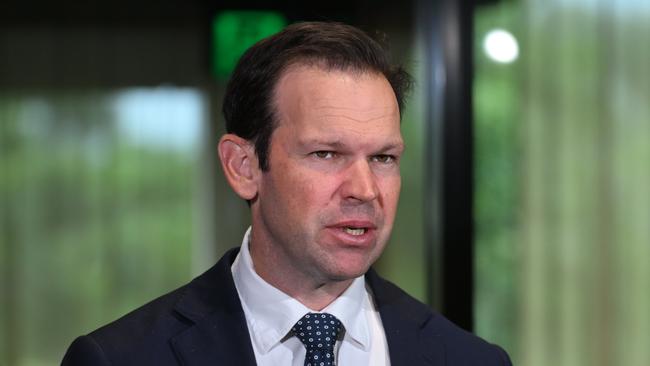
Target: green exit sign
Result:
[233, 32]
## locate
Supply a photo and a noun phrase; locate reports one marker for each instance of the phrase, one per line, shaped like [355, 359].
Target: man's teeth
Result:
[354, 231]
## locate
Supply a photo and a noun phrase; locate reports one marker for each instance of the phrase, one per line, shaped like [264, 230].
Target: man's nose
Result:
[360, 183]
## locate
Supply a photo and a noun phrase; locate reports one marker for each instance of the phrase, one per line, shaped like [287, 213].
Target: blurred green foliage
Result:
[496, 111]
[562, 176]
[92, 225]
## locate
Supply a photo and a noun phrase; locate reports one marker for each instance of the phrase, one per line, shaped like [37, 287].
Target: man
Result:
[314, 146]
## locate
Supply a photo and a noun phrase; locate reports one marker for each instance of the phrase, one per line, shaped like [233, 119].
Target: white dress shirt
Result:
[270, 315]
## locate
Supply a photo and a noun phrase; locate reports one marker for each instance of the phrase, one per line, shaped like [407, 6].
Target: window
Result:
[562, 177]
[98, 192]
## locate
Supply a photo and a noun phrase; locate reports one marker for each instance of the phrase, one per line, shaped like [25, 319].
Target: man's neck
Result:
[316, 294]
[320, 297]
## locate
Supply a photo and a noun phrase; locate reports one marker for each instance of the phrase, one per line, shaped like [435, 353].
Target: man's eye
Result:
[384, 159]
[324, 154]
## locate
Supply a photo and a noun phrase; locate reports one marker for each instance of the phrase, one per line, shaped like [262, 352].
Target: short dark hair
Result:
[248, 103]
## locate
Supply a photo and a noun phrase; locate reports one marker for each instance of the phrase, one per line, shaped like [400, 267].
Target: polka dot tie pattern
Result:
[318, 332]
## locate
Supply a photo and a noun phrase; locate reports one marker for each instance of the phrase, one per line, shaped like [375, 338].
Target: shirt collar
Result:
[273, 313]
[350, 308]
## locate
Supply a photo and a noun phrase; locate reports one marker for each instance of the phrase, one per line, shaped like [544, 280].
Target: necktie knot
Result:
[318, 332]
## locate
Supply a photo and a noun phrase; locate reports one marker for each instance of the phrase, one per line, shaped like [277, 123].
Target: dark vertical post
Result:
[10, 285]
[446, 28]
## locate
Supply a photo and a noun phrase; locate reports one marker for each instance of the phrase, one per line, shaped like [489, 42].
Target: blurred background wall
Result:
[525, 211]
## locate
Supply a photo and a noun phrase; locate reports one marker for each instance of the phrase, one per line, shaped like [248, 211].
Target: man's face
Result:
[325, 208]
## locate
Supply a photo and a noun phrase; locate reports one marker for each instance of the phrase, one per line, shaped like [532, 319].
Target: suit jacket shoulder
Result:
[133, 339]
[202, 323]
[197, 324]
[417, 335]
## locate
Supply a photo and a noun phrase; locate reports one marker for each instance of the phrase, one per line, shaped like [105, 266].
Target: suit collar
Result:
[403, 319]
[218, 334]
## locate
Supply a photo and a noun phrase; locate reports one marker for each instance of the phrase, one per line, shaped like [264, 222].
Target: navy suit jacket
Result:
[202, 323]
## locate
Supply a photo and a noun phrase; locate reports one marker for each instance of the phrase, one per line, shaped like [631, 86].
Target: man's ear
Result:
[240, 165]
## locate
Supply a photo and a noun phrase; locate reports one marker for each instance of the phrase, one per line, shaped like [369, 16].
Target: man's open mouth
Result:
[354, 230]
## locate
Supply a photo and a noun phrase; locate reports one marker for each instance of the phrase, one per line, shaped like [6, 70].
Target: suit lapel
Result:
[218, 334]
[221, 340]
[403, 319]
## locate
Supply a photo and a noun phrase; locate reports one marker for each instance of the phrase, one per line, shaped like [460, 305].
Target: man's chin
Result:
[344, 264]
[349, 272]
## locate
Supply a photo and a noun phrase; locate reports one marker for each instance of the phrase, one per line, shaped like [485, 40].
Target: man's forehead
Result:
[336, 93]
[317, 66]
[329, 112]
[302, 72]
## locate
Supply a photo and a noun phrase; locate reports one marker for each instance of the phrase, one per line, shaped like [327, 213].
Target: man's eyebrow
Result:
[337, 144]
[393, 146]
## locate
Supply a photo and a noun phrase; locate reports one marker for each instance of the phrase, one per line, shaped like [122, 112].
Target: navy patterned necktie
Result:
[318, 332]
